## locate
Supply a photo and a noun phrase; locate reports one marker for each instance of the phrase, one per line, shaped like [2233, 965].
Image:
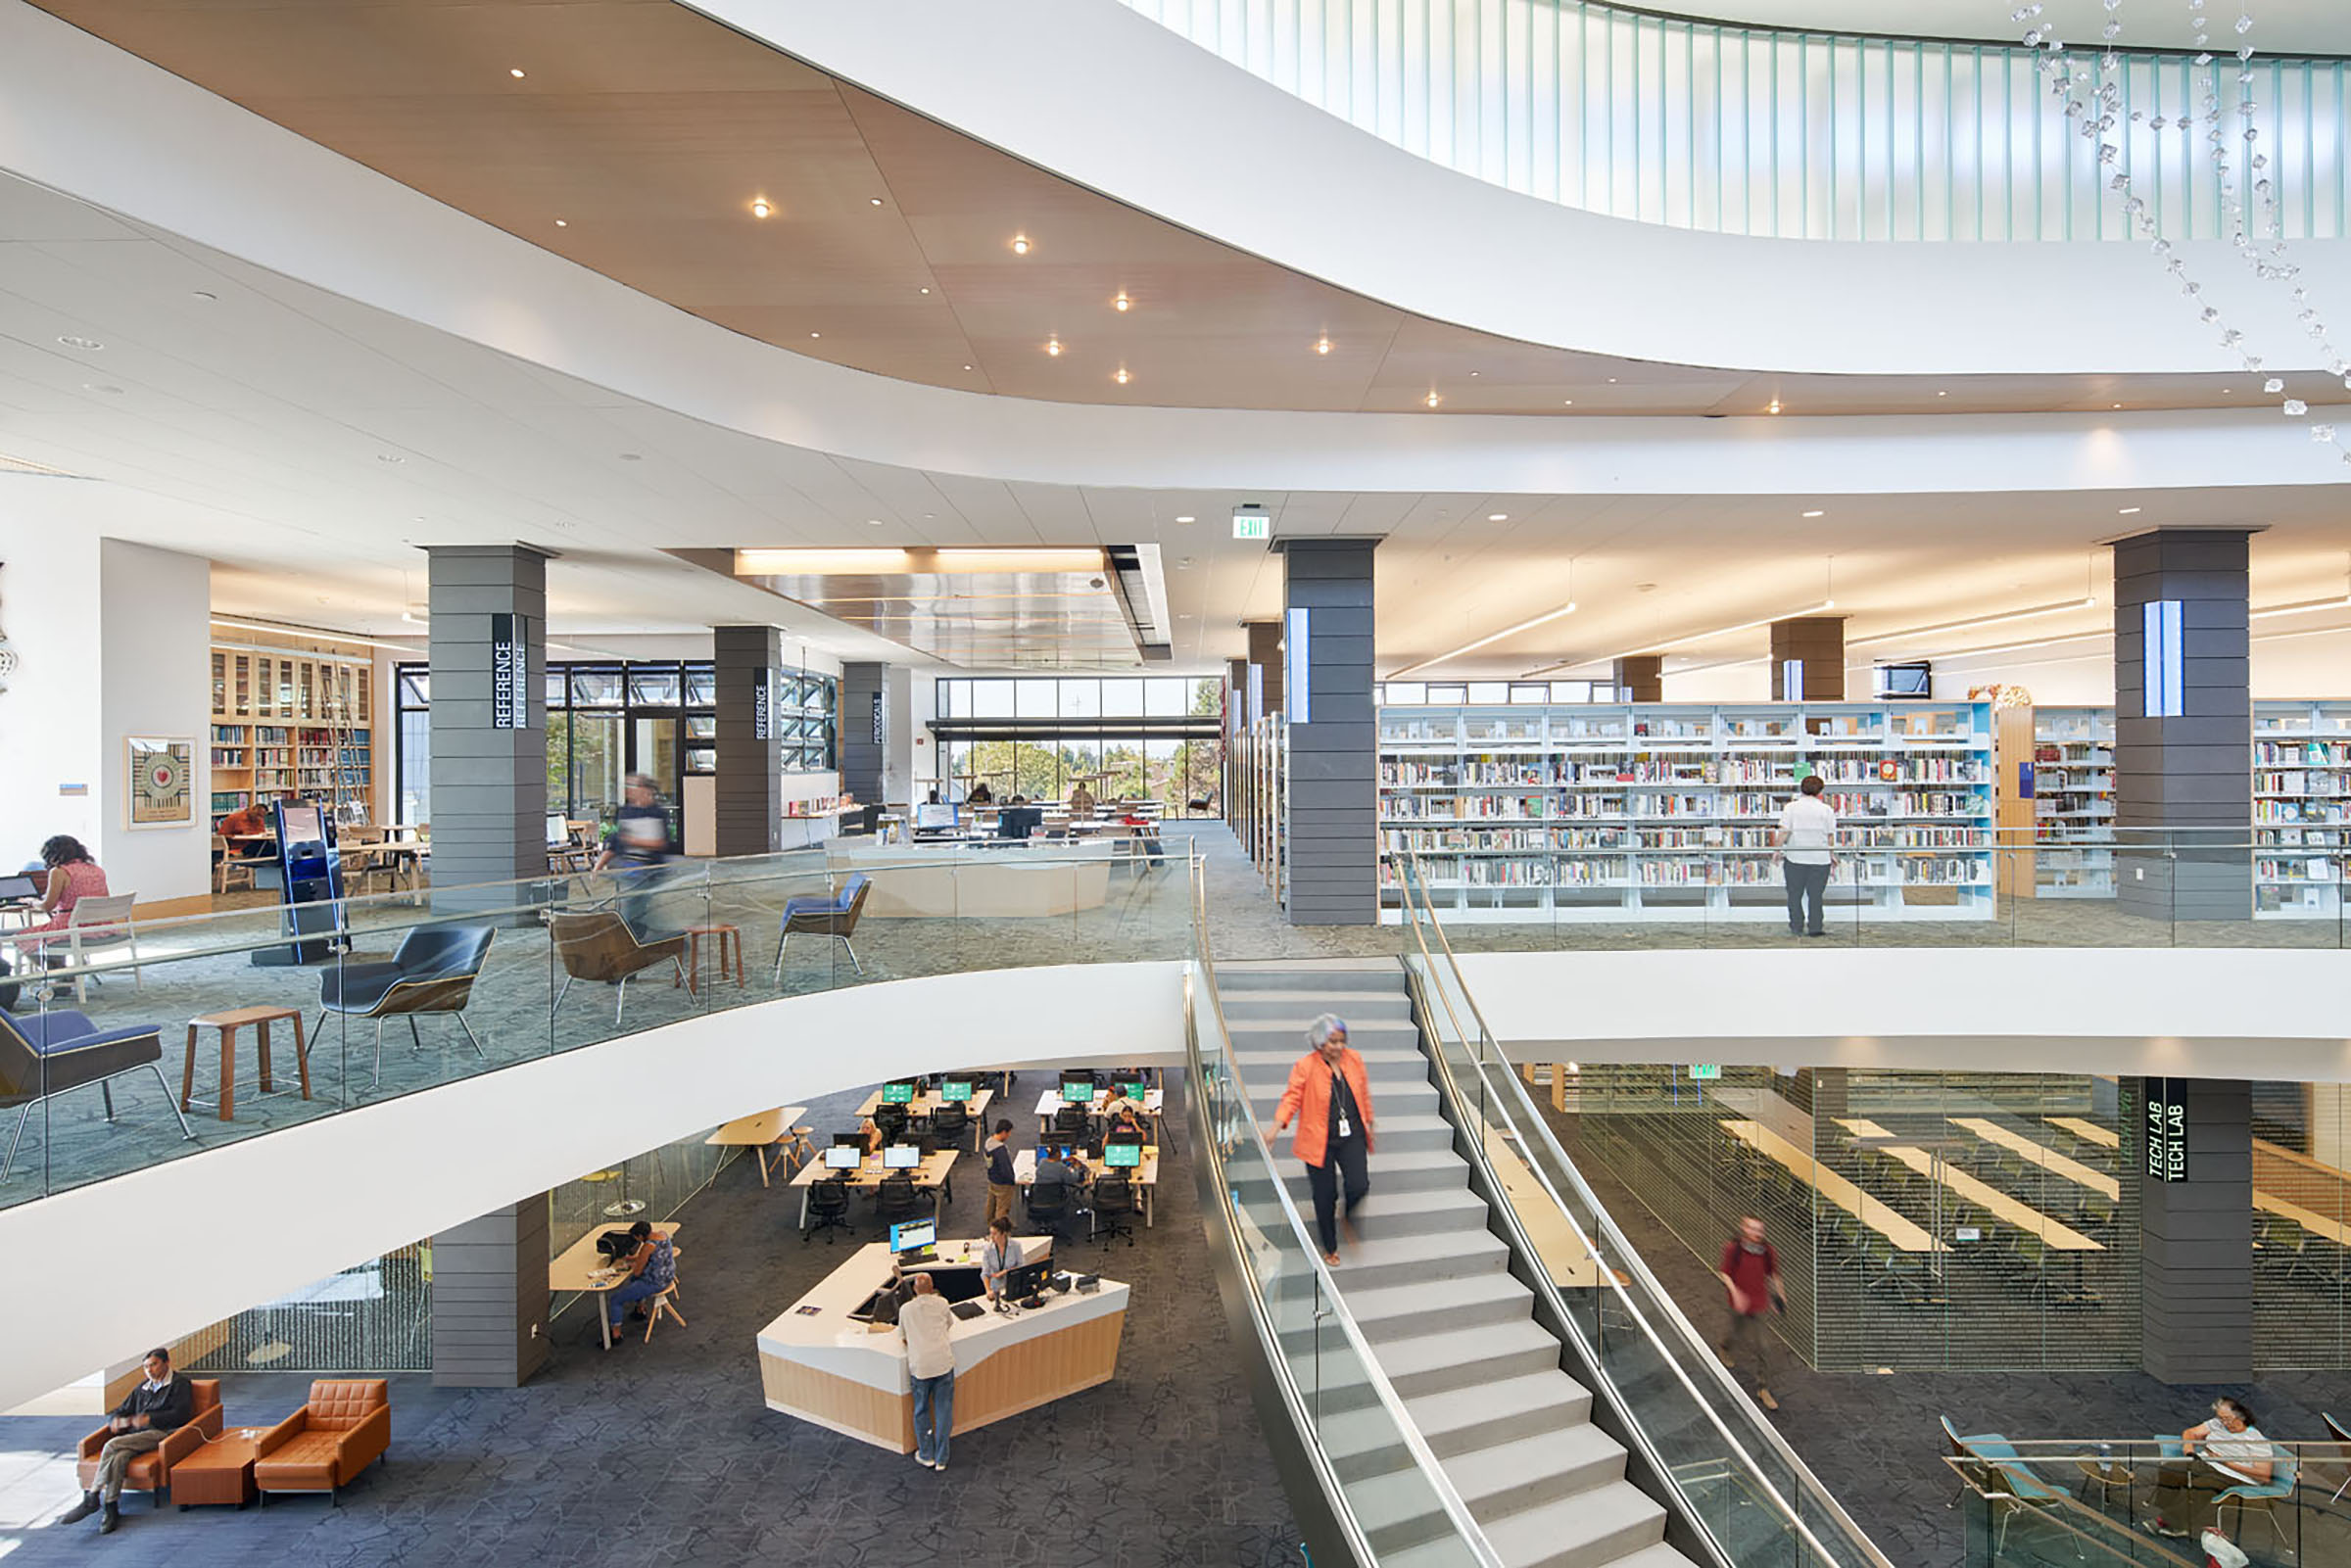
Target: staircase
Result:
[1429, 1286]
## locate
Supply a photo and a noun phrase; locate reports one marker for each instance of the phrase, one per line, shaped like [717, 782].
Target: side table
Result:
[221, 1471]
[729, 946]
[228, 1022]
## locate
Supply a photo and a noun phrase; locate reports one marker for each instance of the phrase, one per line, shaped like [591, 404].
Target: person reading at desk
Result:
[652, 1268]
[927, 1321]
[1000, 1257]
[2227, 1450]
[72, 877]
[246, 824]
[1127, 1117]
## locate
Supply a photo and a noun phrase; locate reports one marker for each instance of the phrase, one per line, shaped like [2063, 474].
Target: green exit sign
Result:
[1700, 1071]
[1252, 525]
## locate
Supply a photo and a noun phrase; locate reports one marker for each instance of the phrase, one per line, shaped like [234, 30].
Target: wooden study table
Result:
[2024, 1217]
[1144, 1177]
[1878, 1217]
[2088, 1132]
[928, 1104]
[818, 1363]
[758, 1132]
[932, 1176]
[582, 1270]
[1049, 1104]
[2047, 1159]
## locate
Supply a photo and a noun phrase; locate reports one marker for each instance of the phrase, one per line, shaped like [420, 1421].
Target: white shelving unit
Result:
[2073, 802]
[1665, 811]
[2301, 808]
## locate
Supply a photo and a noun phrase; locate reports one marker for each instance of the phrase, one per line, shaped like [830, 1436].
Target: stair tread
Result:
[1659, 1555]
[1456, 1347]
[1406, 1200]
[1549, 1532]
[1383, 1301]
[1480, 1402]
[1383, 1251]
[1484, 1475]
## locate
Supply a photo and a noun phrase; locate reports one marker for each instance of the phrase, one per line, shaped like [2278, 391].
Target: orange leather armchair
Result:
[150, 1473]
[346, 1426]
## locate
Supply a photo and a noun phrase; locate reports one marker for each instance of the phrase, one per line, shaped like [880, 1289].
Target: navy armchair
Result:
[808, 915]
[433, 971]
[44, 1055]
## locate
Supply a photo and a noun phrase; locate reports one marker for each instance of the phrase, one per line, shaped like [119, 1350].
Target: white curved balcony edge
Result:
[1095, 92]
[83, 117]
[218, 1231]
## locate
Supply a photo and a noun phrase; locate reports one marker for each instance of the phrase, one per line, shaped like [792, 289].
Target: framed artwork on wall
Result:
[158, 774]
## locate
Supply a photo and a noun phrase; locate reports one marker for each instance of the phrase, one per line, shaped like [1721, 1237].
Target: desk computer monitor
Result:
[14, 888]
[1018, 822]
[929, 817]
[1028, 1279]
[913, 1236]
[955, 1091]
[1118, 1156]
[901, 1093]
[844, 1157]
[558, 830]
[848, 1140]
[1134, 1089]
[902, 1157]
[1078, 1091]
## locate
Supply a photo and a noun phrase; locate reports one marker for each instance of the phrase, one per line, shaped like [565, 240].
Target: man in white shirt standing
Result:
[926, 1322]
[1808, 827]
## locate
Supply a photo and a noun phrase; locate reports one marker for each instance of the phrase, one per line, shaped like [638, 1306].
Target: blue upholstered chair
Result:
[46, 1054]
[2264, 1497]
[433, 971]
[809, 915]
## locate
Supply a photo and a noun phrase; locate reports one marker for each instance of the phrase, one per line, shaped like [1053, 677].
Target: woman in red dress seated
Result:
[72, 877]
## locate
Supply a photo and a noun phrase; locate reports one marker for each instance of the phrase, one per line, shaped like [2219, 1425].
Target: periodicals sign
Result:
[510, 673]
[880, 731]
[2167, 1130]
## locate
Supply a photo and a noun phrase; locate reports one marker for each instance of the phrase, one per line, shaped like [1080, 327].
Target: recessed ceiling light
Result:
[1942, 394]
[1122, 302]
[1568, 403]
[91, 343]
[390, 458]
[967, 368]
[1121, 378]
[2118, 405]
[1321, 345]
[1020, 244]
[873, 522]
[816, 334]
[514, 71]
[561, 223]
[761, 206]
[1611, 381]
[925, 290]
[2127, 511]
[1815, 514]
[1434, 400]
[1186, 519]
[876, 200]
[1053, 347]
[1473, 373]
[1498, 517]
[1775, 407]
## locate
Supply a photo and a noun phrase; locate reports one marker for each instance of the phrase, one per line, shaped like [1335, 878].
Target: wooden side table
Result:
[221, 1471]
[730, 949]
[259, 1018]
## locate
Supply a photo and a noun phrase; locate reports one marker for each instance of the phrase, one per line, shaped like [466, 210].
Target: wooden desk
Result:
[932, 1176]
[1049, 1104]
[1145, 1176]
[2316, 1223]
[928, 1104]
[759, 1131]
[1878, 1217]
[825, 1367]
[2089, 1131]
[580, 1271]
[2024, 1217]
[2047, 1159]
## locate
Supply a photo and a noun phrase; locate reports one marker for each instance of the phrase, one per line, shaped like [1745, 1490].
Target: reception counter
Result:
[827, 1367]
[950, 879]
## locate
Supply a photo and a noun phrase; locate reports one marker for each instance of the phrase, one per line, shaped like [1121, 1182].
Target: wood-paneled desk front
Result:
[580, 1269]
[931, 1176]
[1144, 1177]
[824, 1366]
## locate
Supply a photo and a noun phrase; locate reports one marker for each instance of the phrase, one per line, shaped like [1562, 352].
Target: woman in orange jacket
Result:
[1330, 1095]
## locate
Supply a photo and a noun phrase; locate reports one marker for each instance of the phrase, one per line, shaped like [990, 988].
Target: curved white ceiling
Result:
[1108, 98]
[2282, 27]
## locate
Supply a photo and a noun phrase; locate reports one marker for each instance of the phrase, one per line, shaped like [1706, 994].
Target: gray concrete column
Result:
[2183, 723]
[1236, 714]
[865, 731]
[490, 1298]
[2195, 1234]
[488, 654]
[747, 804]
[1264, 667]
[1334, 831]
[1641, 678]
[1815, 644]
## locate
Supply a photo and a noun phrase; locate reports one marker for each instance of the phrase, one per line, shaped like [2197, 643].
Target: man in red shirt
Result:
[1750, 1271]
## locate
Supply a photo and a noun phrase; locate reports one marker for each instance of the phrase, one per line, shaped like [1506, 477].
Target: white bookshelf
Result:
[1665, 811]
[2073, 802]
[2301, 808]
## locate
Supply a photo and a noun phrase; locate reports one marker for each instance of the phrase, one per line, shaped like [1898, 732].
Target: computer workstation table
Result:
[821, 1364]
[1144, 1176]
[580, 1269]
[930, 1102]
[931, 1176]
[1050, 1103]
[759, 1132]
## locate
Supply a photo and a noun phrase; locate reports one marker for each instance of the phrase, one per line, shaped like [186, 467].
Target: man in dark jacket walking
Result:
[148, 1413]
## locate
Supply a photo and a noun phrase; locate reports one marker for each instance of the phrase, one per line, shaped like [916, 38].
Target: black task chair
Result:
[948, 1124]
[1075, 1124]
[827, 1210]
[1114, 1205]
[1048, 1209]
[898, 1198]
[892, 1119]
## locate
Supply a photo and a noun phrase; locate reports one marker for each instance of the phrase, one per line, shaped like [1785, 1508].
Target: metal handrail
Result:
[1692, 1346]
[1471, 1534]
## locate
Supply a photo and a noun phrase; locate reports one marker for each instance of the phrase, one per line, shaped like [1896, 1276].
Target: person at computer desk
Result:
[1055, 1175]
[71, 876]
[653, 1266]
[1000, 1257]
[1082, 801]
[927, 1322]
[871, 1131]
[981, 796]
[1126, 1116]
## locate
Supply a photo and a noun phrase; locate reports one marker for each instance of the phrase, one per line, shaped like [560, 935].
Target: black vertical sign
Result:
[2167, 1129]
[879, 733]
[763, 703]
[510, 673]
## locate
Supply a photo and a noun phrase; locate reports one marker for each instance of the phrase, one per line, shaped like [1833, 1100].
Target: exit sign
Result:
[1700, 1071]
[1252, 525]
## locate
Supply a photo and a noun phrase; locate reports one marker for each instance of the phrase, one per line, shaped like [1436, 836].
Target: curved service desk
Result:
[827, 1367]
[952, 880]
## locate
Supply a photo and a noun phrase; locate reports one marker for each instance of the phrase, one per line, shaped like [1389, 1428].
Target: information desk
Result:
[827, 1367]
[915, 880]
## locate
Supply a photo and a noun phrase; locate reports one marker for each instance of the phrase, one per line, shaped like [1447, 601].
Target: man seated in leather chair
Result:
[148, 1413]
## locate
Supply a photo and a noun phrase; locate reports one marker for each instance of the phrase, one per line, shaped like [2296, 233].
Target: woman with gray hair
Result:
[1329, 1093]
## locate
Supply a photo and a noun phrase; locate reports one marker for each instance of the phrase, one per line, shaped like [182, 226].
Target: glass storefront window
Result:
[1122, 698]
[1080, 699]
[1166, 697]
[596, 688]
[701, 685]
[992, 699]
[654, 687]
[1035, 699]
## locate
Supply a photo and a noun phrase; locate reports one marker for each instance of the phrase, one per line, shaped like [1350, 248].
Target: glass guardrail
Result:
[1734, 1477]
[126, 1046]
[1557, 884]
[1387, 1491]
[1793, 134]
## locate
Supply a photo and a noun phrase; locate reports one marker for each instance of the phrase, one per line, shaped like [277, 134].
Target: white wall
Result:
[467, 1147]
[155, 680]
[49, 717]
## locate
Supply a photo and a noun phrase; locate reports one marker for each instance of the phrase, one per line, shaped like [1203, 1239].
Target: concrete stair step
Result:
[1383, 1261]
[1399, 1064]
[1460, 1419]
[1346, 977]
[1288, 1036]
[1401, 1312]
[1412, 1170]
[1410, 1211]
[1411, 1134]
[1659, 1555]
[1304, 1006]
[1593, 1529]
[1512, 1476]
[1398, 1098]
[1431, 1363]
[1396, 1516]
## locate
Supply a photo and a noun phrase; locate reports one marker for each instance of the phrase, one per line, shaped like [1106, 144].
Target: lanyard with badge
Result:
[1342, 1101]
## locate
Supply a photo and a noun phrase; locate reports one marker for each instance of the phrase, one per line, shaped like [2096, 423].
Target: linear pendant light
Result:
[1528, 625]
[1686, 637]
[2085, 602]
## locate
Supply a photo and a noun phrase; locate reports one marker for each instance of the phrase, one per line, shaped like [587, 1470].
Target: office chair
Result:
[1046, 1213]
[896, 1198]
[1114, 1205]
[1075, 1124]
[892, 1119]
[827, 1210]
[948, 1124]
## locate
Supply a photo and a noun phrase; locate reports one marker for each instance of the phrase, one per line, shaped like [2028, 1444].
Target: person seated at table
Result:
[245, 823]
[1000, 1257]
[871, 1131]
[2227, 1450]
[981, 796]
[159, 1406]
[72, 877]
[1068, 1177]
[1082, 800]
[1126, 1116]
[651, 1266]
